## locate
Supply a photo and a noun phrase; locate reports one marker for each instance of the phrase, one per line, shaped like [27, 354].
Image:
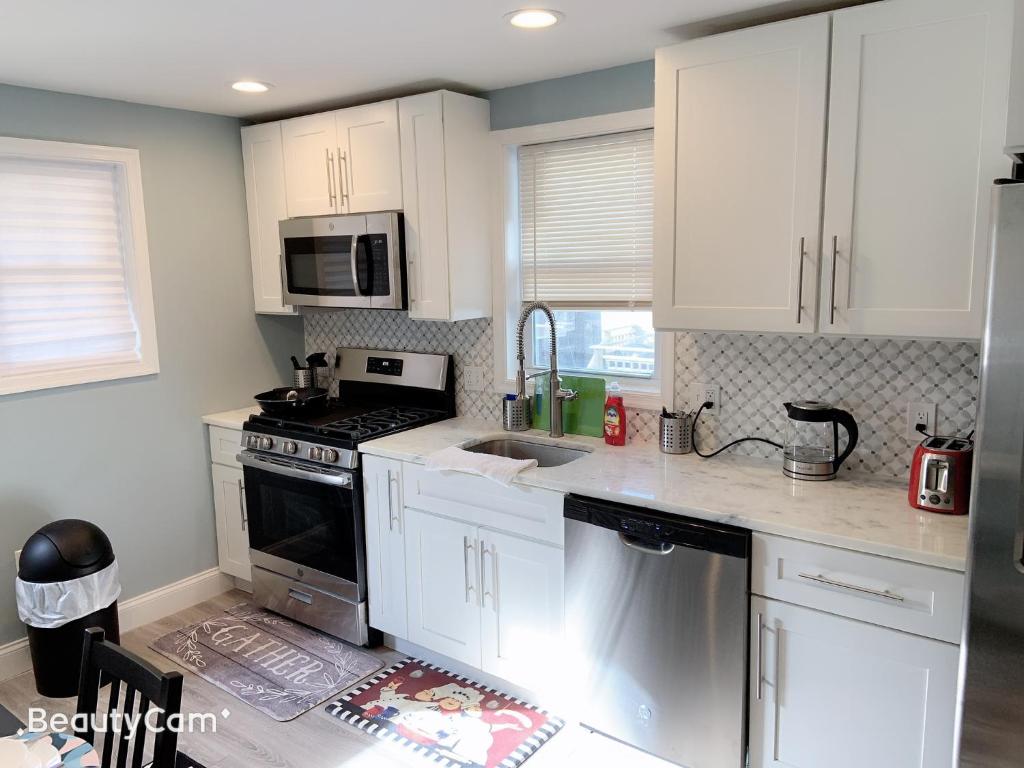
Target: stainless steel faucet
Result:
[555, 392]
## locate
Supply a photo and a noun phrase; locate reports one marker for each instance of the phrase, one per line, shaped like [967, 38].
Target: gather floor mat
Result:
[446, 718]
[278, 666]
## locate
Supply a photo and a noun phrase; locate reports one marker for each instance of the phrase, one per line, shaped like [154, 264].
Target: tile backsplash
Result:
[874, 379]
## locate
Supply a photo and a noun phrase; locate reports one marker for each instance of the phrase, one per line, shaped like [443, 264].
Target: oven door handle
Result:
[341, 479]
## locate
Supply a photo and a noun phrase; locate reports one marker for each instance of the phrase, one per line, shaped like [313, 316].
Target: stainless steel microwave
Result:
[355, 260]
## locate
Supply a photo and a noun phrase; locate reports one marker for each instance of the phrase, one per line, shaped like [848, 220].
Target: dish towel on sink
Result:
[497, 468]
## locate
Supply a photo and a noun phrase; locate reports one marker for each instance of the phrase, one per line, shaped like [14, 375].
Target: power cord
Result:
[696, 450]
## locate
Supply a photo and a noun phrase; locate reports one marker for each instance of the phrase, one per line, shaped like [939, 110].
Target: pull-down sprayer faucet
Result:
[555, 392]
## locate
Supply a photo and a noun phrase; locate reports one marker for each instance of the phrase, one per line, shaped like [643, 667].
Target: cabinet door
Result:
[522, 590]
[426, 217]
[369, 165]
[917, 121]
[443, 585]
[232, 533]
[263, 160]
[385, 544]
[837, 693]
[310, 152]
[740, 121]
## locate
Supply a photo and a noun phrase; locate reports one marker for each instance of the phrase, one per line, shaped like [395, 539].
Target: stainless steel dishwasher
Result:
[656, 619]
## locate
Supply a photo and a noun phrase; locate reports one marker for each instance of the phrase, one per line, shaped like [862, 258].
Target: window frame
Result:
[138, 279]
[644, 394]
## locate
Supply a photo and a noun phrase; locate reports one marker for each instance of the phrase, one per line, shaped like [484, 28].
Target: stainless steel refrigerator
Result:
[991, 714]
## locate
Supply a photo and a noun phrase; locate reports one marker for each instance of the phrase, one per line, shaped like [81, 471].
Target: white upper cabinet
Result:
[346, 161]
[740, 131]
[446, 188]
[310, 153]
[896, 244]
[369, 167]
[263, 160]
[917, 124]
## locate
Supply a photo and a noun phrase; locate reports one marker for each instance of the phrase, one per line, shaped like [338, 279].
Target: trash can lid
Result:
[64, 550]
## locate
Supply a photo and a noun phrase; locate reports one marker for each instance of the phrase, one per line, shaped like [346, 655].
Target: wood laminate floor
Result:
[250, 739]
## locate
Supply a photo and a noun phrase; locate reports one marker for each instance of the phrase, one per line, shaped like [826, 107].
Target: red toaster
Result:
[940, 476]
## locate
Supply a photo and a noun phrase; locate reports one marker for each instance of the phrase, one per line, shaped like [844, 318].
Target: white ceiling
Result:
[318, 53]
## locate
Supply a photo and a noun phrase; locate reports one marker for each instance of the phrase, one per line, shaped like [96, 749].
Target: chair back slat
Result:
[103, 661]
[140, 742]
[109, 737]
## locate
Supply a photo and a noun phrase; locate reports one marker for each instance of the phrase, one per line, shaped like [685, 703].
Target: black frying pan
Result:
[287, 400]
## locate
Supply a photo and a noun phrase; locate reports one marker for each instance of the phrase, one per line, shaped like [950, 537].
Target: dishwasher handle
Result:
[648, 548]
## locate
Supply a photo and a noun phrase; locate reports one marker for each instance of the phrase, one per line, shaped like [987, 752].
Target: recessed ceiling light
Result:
[533, 18]
[250, 86]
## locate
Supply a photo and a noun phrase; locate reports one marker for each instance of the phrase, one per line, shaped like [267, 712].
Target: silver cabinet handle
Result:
[329, 158]
[241, 505]
[758, 668]
[495, 584]
[343, 180]
[800, 282]
[493, 591]
[394, 516]
[832, 296]
[466, 548]
[820, 579]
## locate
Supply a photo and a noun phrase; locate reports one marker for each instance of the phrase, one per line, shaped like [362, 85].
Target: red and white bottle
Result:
[614, 416]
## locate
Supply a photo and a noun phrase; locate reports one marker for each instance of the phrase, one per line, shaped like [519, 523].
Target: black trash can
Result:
[67, 582]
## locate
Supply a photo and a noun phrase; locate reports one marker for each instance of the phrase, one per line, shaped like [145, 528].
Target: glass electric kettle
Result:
[812, 440]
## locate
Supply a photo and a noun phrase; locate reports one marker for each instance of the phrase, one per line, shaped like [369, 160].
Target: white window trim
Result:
[660, 391]
[137, 273]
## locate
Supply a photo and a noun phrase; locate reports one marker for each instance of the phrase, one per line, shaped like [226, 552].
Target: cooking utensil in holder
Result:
[675, 432]
[515, 414]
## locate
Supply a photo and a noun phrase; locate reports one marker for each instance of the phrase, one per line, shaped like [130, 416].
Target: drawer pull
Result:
[302, 597]
[883, 593]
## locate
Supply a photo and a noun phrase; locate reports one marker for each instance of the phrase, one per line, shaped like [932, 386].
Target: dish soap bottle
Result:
[614, 416]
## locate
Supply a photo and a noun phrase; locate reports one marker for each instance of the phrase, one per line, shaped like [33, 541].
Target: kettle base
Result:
[803, 470]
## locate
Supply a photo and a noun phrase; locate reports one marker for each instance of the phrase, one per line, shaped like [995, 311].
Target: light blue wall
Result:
[132, 456]
[601, 92]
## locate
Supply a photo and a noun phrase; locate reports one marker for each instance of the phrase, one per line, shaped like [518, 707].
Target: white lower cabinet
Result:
[385, 544]
[521, 597]
[443, 585]
[229, 509]
[831, 692]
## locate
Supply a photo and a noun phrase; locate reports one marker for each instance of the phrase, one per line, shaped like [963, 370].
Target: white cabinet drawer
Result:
[913, 598]
[225, 445]
[529, 512]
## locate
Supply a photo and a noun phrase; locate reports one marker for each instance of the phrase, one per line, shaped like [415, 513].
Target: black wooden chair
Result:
[144, 686]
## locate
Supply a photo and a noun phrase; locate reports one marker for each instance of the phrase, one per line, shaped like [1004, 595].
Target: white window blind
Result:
[586, 212]
[65, 255]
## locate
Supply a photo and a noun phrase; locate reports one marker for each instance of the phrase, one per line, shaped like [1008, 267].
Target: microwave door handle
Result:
[354, 259]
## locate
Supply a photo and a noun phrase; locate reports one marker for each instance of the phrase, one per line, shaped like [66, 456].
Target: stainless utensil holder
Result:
[515, 414]
[303, 378]
[676, 433]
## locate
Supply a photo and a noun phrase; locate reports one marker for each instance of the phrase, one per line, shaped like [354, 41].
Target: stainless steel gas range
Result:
[303, 486]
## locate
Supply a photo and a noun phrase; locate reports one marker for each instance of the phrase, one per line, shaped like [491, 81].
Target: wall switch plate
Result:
[704, 393]
[921, 413]
[476, 378]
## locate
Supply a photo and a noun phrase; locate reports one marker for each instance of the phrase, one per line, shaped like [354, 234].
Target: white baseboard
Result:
[134, 612]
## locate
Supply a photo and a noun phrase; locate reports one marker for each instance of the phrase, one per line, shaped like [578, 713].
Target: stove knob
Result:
[266, 443]
[251, 441]
[290, 448]
[330, 455]
[315, 453]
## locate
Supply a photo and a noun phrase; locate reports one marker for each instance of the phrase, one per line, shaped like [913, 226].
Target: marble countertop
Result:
[231, 419]
[853, 512]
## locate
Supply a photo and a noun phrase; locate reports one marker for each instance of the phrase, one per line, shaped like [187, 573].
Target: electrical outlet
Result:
[476, 378]
[921, 413]
[707, 393]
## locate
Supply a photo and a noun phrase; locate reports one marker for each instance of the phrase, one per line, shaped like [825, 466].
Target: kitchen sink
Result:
[545, 454]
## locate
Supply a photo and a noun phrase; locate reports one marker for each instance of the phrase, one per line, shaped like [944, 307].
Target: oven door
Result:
[343, 261]
[306, 523]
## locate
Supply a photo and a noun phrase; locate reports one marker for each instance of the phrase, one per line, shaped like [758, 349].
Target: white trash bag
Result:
[49, 606]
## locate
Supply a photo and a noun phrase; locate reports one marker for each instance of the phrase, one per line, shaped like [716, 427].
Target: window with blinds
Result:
[69, 312]
[586, 213]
